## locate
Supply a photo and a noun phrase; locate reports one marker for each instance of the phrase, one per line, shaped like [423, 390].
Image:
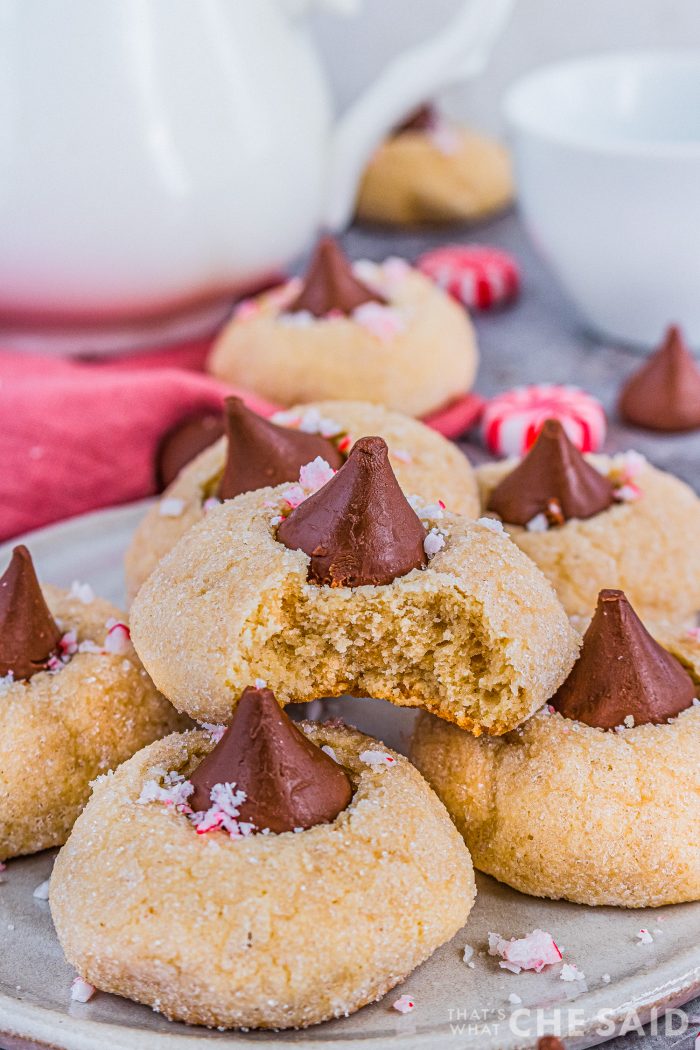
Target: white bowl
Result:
[608, 164]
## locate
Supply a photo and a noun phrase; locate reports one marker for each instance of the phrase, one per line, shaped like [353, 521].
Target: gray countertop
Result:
[541, 339]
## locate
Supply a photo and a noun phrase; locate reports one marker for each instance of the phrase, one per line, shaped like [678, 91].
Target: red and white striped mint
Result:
[511, 421]
[476, 275]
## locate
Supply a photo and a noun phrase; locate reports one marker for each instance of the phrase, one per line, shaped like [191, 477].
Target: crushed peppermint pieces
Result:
[606, 978]
[569, 972]
[309, 422]
[82, 591]
[694, 634]
[540, 523]
[433, 542]
[492, 524]
[624, 472]
[383, 322]
[467, 956]
[645, 937]
[170, 788]
[81, 991]
[312, 477]
[171, 507]
[210, 504]
[260, 683]
[533, 952]
[377, 759]
[42, 891]
[514, 999]
[401, 455]
[118, 638]
[173, 790]
[215, 731]
[404, 1004]
[330, 752]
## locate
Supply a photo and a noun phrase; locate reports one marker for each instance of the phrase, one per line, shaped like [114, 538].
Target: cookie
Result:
[642, 543]
[215, 929]
[90, 707]
[474, 632]
[442, 173]
[407, 345]
[426, 465]
[563, 809]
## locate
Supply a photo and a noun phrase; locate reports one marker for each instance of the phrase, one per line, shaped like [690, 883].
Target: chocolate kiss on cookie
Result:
[183, 442]
[260, 453]
[359, 528]
[664, 394]
[330, 284]
[29, 635]
[424, 118]
[288, 781]
[553, 479]
[622, 671]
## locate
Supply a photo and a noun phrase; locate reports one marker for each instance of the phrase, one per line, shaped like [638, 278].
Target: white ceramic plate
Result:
[35, 981]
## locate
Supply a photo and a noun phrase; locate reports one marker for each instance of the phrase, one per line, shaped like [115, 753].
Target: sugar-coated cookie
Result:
[426, 465]
[250, 930]
[88, 707]
[377, 332]
[434, 171]
[563, 808]
[429, 610]
[637, 537]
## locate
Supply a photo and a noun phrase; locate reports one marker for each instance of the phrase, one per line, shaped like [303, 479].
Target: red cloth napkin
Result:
[77, 436]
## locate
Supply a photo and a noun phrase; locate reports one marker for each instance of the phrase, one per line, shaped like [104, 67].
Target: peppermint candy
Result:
[476, 275]
[511, 421]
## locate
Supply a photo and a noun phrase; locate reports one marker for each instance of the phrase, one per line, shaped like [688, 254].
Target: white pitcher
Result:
[157, 156]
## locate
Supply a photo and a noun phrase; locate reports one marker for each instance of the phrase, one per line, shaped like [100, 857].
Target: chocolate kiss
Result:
[424, 118]
[183, 442]
[28, 632]
[622, 671]
[359, 528]
[553, 479]
[289, 782]
[664, 394]
[260, 453]
[330, 284]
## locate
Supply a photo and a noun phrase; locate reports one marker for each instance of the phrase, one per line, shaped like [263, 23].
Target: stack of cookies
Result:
[274, 874]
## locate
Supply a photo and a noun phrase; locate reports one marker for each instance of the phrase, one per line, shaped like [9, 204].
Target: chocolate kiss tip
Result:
[289, 782]
[664, 394]
[29, 634]
[359, 528]
[623, 671]
[330, 284]
[262, 453]
[553, 479]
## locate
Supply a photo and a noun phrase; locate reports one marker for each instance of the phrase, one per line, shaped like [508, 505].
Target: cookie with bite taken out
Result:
[352, 590]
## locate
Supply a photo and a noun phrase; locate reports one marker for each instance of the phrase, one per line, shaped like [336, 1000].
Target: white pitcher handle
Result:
[457, 52]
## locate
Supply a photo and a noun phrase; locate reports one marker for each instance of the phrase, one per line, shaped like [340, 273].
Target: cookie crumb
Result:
[42, 891]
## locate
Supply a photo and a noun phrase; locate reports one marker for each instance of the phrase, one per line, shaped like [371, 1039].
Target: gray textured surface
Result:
[541, 339]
